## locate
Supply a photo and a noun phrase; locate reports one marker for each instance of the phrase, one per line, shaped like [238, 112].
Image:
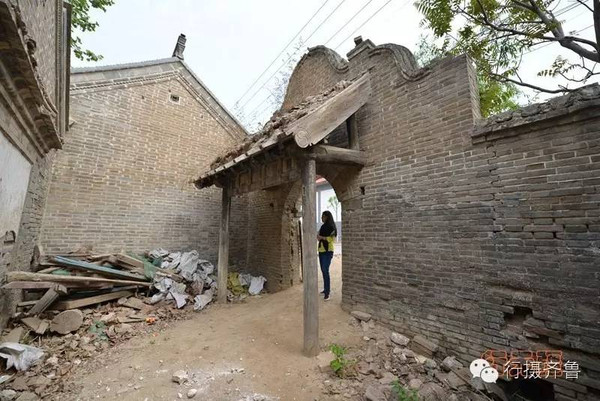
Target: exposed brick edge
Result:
[336, 61]
[403, 59]
[574, 102]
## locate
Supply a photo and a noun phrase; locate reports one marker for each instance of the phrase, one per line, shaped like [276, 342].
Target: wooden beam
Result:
[47, 299]
[129, 260]
[40, 285]
[335, 155]
[309, 259]
[352, 128]
[312, 128]
[78, 303]
[223, 262]
[26, 276]
[106, 271]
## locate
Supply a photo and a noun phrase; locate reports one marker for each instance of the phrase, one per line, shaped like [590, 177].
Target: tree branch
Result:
[565, 41]
[501, 78]
[597, 23]
[585, 5]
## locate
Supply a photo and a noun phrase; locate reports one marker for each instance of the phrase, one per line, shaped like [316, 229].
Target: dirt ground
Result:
[246, 351]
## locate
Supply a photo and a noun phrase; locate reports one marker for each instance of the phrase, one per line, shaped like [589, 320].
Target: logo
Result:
[481, 368]
[523, 364]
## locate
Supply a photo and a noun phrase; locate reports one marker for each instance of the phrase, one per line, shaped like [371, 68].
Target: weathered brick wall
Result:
[477, 239]
[123, 180]
[40, 19]
[29, 123]
[264, 237]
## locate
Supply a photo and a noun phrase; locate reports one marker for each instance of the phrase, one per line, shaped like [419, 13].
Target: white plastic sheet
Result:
[256, 285]
[245, 279]
[188, 265]
[202, 300]
[19, 355]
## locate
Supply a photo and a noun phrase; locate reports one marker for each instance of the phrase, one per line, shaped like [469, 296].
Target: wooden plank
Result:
[40, 285]
[223, 262]
[49, 270]
[106, 271]
[79, 303]
[316, 125]
[335, 155]
[47, 299]
[32, 322]
[352, 129]
[80, 280]
[27, 303]
[94, 258]
[309, 260]
[130, 260]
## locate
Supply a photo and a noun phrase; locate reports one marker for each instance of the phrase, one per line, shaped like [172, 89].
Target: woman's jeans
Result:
[325, 261]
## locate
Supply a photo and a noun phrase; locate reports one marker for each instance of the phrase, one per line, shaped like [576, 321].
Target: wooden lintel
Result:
[315, 126]
[335, 155]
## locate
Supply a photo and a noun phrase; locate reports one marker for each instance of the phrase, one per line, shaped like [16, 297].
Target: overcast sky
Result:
[230, 43]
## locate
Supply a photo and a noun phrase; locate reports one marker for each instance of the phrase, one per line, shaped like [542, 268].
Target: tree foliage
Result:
[82, 22]
[497, 33]
[494, 96]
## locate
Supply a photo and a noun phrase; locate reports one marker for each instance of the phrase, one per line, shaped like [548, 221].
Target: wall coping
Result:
[573, 102]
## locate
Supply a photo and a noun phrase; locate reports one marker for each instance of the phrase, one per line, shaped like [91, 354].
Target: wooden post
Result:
[352, 128]
[309, 259]
[223, 263]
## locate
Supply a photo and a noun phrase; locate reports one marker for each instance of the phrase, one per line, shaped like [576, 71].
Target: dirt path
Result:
[231, 352]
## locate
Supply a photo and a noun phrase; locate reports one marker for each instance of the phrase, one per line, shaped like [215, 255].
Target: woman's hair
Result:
[329, 216]
[328, 228]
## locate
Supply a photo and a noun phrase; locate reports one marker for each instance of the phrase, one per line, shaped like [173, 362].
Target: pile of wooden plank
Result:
[78, 280]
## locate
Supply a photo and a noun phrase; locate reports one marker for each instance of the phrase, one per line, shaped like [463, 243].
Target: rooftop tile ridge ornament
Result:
[179, 47]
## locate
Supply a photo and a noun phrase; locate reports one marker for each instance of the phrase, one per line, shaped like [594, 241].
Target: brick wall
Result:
[477, 238]
[123, 179]
[29, 123]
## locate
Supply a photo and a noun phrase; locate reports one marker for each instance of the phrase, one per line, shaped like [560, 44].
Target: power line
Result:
[328, 40]
[549, 43]
[363, 24]
[347, 22]
[294, 53]
[282, 50]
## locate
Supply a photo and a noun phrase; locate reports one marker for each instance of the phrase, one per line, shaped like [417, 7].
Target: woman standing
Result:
[326, 237]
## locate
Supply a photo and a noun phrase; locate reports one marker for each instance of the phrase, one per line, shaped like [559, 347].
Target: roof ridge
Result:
[111, 67]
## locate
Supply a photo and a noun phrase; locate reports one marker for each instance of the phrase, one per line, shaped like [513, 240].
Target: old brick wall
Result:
[123, 180]
[475, 238]
[30, 123]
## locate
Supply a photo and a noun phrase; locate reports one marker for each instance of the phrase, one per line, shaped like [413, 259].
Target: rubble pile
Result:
[79, 304]
[280, 120]
[387, 363]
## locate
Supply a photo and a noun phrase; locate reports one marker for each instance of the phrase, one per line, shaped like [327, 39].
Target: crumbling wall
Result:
[30, 126]
[123, 180]
[477, 238]
[266, 209]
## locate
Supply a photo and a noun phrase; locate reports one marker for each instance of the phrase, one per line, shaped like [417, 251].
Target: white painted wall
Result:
[14, 179]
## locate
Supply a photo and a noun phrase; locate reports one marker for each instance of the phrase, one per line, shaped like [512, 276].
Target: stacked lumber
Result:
[78, 280]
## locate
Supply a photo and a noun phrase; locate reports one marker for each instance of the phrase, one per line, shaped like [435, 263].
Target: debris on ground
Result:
[20, 356]
[385, 368]
[79, 304]
[241, 285]
[180, 377]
